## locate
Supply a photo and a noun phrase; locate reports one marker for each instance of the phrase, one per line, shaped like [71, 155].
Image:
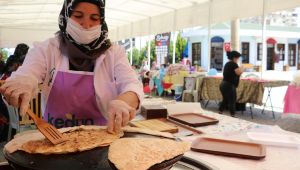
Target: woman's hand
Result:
[239, 71]
[19, 91]
[119, 114]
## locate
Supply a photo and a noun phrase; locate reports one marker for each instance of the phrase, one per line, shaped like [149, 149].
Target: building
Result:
[283, 45]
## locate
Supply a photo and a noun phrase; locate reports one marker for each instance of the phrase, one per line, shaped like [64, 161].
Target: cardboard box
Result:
[154, 111]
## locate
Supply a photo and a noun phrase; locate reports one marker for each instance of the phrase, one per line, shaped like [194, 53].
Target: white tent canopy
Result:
[35, 20]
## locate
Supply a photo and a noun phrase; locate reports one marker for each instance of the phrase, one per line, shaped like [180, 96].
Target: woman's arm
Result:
[130, 90]
[239, 71]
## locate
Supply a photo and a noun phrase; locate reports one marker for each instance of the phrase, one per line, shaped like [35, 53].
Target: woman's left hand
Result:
[119, 114]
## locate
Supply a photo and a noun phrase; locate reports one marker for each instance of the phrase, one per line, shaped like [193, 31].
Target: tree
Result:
[180, 46]
[5, 54]
[139, 57]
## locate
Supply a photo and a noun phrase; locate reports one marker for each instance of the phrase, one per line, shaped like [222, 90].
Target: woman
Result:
[230, 82]
[85, 79]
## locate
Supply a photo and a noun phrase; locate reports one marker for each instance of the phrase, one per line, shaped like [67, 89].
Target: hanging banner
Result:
[162, 44]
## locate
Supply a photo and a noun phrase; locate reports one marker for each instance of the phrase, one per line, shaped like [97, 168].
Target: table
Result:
[249, 90]
[292, 100]
[277, 158]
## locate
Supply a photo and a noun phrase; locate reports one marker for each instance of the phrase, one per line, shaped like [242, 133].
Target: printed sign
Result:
[162, 42]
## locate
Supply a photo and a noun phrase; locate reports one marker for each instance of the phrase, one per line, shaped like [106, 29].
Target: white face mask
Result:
[82, 35]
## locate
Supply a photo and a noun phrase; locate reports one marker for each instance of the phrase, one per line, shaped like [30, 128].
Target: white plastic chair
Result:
[190, 88]
[13, 119]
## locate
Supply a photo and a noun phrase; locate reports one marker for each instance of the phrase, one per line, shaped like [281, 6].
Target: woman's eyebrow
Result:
[79, 12]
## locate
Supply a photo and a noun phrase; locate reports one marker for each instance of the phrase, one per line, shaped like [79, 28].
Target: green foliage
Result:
[180, 46]
[139, 57]
[5, 54]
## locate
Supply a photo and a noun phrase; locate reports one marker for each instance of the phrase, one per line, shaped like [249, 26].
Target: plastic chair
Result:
[13, 120]
[192, 87]
[212, 72]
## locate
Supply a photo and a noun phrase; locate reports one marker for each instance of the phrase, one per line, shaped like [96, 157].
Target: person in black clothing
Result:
[230, 82]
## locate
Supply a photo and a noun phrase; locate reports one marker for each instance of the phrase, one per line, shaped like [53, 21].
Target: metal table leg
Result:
[251, 112]
[269, 98]
[206, 103]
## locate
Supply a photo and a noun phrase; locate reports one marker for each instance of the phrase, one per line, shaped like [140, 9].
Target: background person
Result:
[231, 78]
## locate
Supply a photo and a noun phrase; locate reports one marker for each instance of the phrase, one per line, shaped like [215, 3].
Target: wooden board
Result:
[182, 129]
[155, 124]
[229, 148]
[194, 119]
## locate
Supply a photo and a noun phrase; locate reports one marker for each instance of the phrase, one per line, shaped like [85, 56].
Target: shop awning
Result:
[217, 39]
[271, 41]
[35, 20]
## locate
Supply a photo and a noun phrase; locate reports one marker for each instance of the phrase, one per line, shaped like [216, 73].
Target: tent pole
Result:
[131, 51]
[149, 52]
[140, 46]
[264, 43]
[209, 34]
[174, 47]
[149, 45]
[174, 37]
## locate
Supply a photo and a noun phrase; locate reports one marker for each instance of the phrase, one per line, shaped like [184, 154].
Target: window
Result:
[217, 53]
[196, 53]
[292, 55]
[281, 51]
[259, 51]
[245, 52]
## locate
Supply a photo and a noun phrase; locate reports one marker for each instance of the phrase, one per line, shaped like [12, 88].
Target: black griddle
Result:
[96, 159]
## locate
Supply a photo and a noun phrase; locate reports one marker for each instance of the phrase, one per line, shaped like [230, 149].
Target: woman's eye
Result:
[77, 16]
[95, 18]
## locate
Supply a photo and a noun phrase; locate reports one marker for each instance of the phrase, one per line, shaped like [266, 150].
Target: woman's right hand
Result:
[239, 71]
[18, 92]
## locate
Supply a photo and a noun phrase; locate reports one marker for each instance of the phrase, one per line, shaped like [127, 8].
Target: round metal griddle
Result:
[91, 160]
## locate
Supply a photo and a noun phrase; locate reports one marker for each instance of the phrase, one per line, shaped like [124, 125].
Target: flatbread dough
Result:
[142, 153]
[34, 135]
[78, 139]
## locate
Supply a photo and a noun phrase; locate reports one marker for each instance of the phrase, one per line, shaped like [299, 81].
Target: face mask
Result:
[82, 35]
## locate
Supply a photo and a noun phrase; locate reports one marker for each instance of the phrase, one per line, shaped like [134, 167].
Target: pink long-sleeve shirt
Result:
[113, 74]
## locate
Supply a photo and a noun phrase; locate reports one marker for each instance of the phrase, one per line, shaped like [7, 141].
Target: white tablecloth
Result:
[277, 158]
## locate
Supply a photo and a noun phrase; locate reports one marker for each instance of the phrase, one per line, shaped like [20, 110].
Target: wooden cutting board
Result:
[155, 124]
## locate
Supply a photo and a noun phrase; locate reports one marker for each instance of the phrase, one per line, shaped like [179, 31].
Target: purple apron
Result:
[72, 100]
